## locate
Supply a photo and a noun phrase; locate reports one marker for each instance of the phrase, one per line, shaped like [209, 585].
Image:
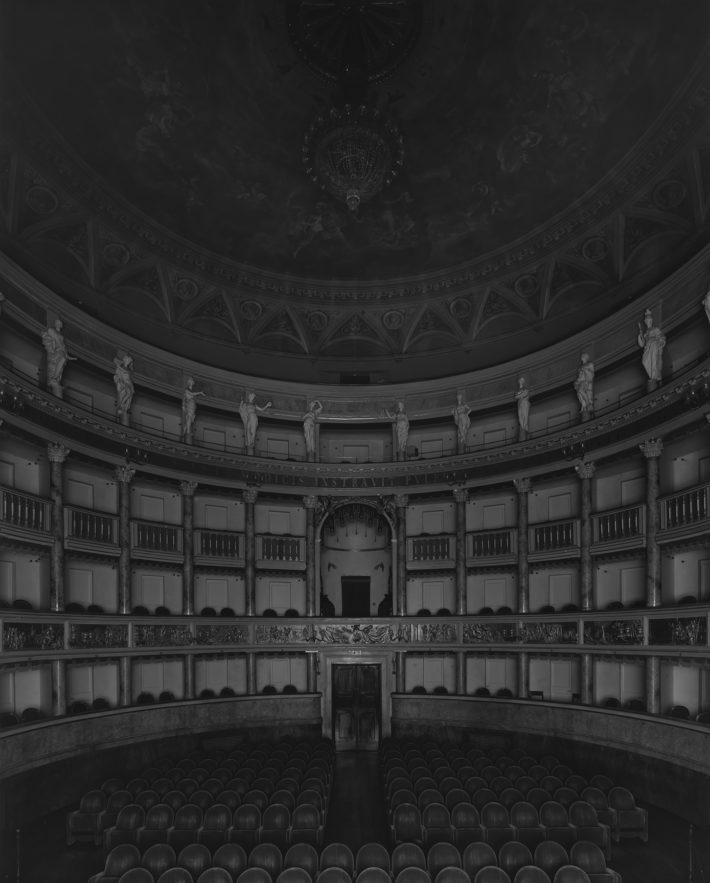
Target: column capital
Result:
[250, 494]
[401, 500]
[522, 485]
[57, 453]
[125, 474]
[585, 470]
[310, 501]
[188, 488]
[651, 448]
[461, 494]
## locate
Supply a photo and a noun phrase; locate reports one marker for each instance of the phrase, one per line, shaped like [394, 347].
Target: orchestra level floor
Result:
[356, 816]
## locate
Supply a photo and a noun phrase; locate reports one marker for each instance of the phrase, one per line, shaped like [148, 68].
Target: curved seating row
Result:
[372, 863]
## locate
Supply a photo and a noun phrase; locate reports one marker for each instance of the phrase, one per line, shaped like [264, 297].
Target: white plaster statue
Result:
[124, 386]
[57, 356]
[401, 426]
[584, 386]
[462, 420]
[522, 397]
[189, 409]
[652, 341]
[706, 303]
[248, 411]
[310, 418]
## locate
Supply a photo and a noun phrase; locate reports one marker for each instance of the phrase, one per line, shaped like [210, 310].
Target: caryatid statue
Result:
[584, 387]
[652, 342]
[124, 386]
[248, 411]
[189, 409]
[310, 418]
[461, 412]
[57, 357]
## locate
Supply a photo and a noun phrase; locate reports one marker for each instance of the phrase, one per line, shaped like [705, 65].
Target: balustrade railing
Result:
[24, 510]
[83, 524]
[218, 543]
[435, 548]
[684, 508]
[281, 548]
[619, 524]
[491, 543]
[554, 535]
[155, 537]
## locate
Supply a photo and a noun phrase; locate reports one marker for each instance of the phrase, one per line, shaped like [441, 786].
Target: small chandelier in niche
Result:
[353, 153]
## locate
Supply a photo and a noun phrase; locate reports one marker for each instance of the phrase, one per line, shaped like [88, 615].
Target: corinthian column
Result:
[585, 471]
[652, 450]
[523, 486]
[57, 455]
[310, 503]
[461, 496]
[187, 489]
[124, 477]
[400, 501]
[250, 495]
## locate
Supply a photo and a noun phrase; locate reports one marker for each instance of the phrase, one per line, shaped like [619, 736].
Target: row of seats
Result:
[495, 826]
[218, 824]
[337, 864]
[290, 775]
[427, 773]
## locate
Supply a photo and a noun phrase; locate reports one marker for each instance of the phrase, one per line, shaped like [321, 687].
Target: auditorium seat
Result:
[631, 820]
[584, 818]
[496, 825]
[407, 824]
[334, 875]
[304, 856]
[454, 797]
[137, 875]
[214, 875]
[194, 857]
[590, 858]
[571, 874]
[158, 858]
[525, 820]
[414, 875]
[115, 802]
[436, 824]
[407, 855]
[306, 827]
[512, 856]
[442, 855]
[186, 823]
[175, 875]
[294, 875]
[565, 795]
[531, 874]
[158, 819]
[550, 856]
[373, 875]
[482, 797]
[120, 859]
[466, 823]
[476, 856]
[554, 818]
[510, 796]
[372, 855]
[338, 855]
[452, 875]
[268, 857]
[128, 821]
[84, 823]
[491, 874]
[216, 821]
[254, 875]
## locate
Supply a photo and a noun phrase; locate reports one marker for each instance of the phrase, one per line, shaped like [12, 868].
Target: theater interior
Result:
[355, 441]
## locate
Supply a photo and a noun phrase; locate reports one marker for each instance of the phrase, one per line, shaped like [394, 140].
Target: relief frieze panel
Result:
[162, 636]
[39, 636]
[98, 636]
[617, 631]
[220, 634]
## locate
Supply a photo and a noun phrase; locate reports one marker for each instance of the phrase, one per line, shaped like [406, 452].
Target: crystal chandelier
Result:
[352, 153]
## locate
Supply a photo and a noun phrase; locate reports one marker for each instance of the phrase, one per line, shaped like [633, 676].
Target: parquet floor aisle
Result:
[357, 813]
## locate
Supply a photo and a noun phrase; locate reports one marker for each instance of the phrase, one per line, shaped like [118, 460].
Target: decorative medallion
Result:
[251, 310]
[392, 320]
[595, 249]
[115, 254]
[186, 289]
[41, 200]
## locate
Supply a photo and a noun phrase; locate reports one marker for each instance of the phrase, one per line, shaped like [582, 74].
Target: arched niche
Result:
[355, 559]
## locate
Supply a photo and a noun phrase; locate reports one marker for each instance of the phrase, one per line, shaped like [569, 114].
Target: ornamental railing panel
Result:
[613, 631]
[491, 543]
[23, 510]
[688, 507]
[153, 536]
[281, 549]
[554, 535]
[219, 543]
[94, 527]
[619, 524]
[431, 548]
[688, 631]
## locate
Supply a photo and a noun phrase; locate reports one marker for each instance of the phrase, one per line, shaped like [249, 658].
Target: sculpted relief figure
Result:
[57, 356]
[461, 412]
[248, 411]
[652, 342]
[522, 397]
[310, 418]
[124, 386]
[189, 409]
[584, 386]
[401, 427]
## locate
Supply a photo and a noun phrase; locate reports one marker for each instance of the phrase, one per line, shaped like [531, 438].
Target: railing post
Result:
[460, 673]
[523, 486]
[586, 679]
[585, 471]
[124, 477]
[523, 675]
[400, 677]
[652, 449]
[57, 454]
[188, 676]
[312, 671]
[125, 687]
[461, 497]
[250, 495]
[251, 674]
[310, 502]
[187, 489]
[400, 501]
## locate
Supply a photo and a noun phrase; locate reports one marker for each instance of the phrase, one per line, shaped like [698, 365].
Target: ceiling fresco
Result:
[527, 124]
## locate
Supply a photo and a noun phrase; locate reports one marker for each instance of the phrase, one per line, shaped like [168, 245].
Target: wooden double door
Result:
[357, 706]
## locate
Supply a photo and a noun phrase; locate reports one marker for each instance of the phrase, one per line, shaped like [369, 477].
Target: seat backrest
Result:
[305, 816]
[414, 874]
[254, 875]
[588, 856]
[550, 855]
[294, 875]
[407, 855]
[247, 816]
[188, 817]
[406, 821]
[137, 875]
[232, 857]
[92, 801]
[267, 856]
[373, 875]
[582, 814]
[524, 815]
[158, 858]
[130, 817]
[302, 855]
[159, 816]
[571, 874]
[194, 857]
[531, 874]
[595, 797]
[372, 855]
[217, 817]
[514, 855]
[491, 875]
[452, 875]
[338, 855]
[175, 875]
[121, 859]
[436, 815]
[621, 798]
[174, 799]
[565, 795]
[465, 815]
[276, 815]
[494, 815]
[553, 814]
[442, 855]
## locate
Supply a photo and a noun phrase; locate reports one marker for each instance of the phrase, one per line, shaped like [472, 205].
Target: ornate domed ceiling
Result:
[556, 162]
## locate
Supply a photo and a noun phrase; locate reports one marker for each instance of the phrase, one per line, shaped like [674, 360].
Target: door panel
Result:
[356, 706]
